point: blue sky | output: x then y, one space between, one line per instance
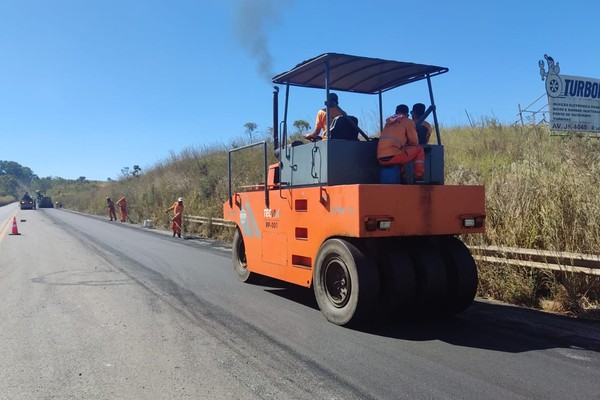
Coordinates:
88 87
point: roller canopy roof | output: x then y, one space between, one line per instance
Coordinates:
356 74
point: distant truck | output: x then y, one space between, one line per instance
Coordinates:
27 202
43 200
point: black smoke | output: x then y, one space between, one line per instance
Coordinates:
251 22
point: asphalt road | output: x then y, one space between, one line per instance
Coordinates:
92 309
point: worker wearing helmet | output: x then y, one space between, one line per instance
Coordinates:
321 124
177 219
399 143
122 203
111 209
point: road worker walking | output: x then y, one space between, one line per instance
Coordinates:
177 219
122 203
111 209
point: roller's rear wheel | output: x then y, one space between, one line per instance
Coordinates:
397 281
462 275
430 270
345 282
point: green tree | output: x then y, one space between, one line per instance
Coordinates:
250 129
19 172
136 170
301 126
44 183
9 186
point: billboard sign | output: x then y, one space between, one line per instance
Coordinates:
573 101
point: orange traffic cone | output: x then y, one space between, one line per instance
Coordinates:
14 231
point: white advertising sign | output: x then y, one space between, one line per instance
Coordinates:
573 101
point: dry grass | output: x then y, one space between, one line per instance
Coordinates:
4 200
199 175
541 193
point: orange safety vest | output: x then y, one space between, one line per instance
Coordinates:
398 132
321 123
177 210
122 202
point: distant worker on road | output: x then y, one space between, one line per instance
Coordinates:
399 143
111 209
122 203
321 123
424 128
177 219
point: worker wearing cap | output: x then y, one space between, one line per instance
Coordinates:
424 128
399 143
177 219
111 209
122 203
321 123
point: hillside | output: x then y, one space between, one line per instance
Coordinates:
15 180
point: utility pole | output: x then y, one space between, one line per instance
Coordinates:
521 117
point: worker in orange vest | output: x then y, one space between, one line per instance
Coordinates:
399 143
321 123
111 209
177 219
122 203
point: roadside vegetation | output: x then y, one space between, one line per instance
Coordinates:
541 191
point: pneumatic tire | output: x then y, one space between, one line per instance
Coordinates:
397 281
462 275
431 275
345 282
240 265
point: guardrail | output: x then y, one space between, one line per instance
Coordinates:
208 220
542 259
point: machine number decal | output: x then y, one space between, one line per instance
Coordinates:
271 224
269 213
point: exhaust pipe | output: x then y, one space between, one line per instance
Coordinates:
276 121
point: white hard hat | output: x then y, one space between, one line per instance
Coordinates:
180 199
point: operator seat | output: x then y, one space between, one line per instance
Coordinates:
422 134
344 127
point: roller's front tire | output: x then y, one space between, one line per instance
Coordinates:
240 265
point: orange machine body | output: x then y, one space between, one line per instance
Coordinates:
282 241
